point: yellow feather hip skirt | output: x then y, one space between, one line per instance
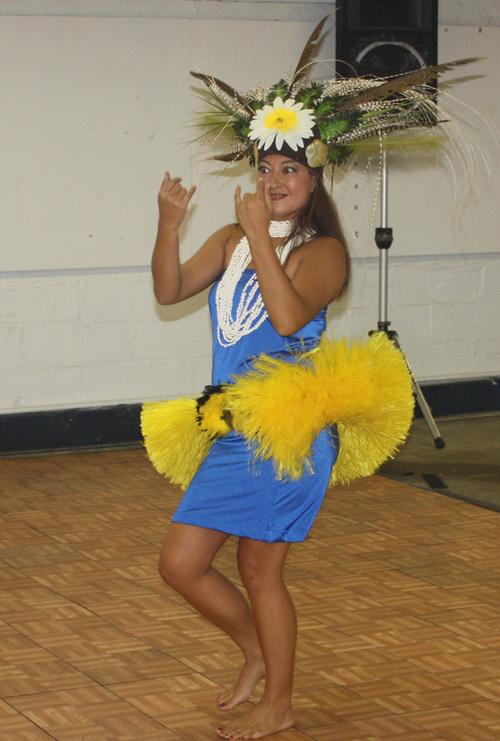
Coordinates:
281 406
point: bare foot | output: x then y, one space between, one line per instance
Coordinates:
262 721
250 675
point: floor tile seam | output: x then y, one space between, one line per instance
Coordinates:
434 731
61 596
464 536
465 611
481 702
191 668
420 615
98 684
437 625
302 732
29 719
434 708
424 672
134 707
66 688
390 569
45 535
418 671
355 722
385 710
21 573
320 624
483 645
461 634
384 646
56 658
153 591
110 570
336 626
423 579
80 509
426 640
68 662
367 560
146 645
471 666
379 528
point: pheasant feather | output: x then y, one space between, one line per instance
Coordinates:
406 81
308 53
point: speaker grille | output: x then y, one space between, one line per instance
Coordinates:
385 37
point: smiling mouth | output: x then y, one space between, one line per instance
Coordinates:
277 196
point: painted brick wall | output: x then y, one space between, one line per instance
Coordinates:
97 337
93 339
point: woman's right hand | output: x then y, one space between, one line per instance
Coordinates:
173 201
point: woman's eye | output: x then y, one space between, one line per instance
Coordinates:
288 170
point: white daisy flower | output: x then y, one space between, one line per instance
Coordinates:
283 121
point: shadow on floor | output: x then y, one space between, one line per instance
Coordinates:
468 467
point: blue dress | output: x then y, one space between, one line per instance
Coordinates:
235 492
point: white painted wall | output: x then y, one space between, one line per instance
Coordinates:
99 338
87 334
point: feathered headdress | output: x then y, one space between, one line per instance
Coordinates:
320 121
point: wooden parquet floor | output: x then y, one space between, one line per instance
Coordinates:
397 592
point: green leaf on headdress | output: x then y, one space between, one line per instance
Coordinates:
308 95
324 108
332 128
280 90
242 128
339 154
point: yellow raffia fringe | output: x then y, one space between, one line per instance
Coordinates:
175 443
364 388
281 405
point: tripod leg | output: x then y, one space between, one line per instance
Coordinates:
424 407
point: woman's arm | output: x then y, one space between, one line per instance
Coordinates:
318 268
174 282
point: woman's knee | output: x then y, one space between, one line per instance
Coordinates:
255 577
186 555
173 567
260 568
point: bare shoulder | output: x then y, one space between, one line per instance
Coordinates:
319 250
224 234
217 243
320 270
234 235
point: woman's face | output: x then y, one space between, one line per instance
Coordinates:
290 185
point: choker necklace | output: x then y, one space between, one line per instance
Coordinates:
280 228
250 312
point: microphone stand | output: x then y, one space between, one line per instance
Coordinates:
383 240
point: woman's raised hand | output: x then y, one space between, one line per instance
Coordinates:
173 200
254 210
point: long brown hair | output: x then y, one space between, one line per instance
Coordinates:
320 216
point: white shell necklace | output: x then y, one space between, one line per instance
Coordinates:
250 312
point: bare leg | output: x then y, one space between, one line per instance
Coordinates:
185 564
261 568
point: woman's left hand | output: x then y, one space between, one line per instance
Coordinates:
254 211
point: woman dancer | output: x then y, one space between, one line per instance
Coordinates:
273 273
298 263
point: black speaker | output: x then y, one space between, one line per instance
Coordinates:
385 37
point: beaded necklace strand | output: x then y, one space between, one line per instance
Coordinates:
250 312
